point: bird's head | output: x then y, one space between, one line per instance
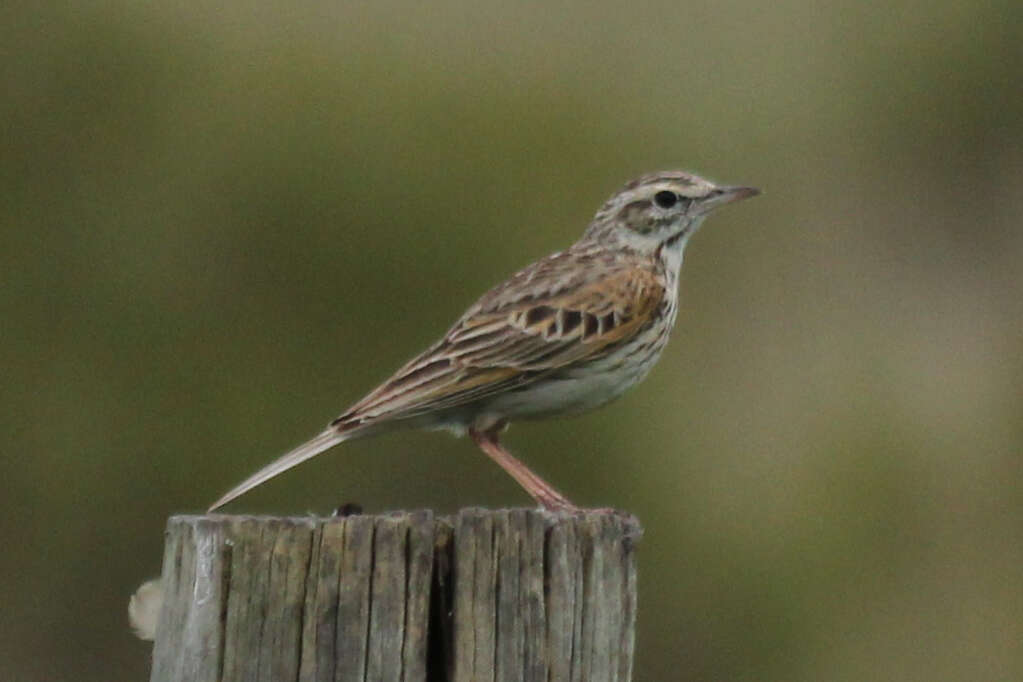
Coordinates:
660 209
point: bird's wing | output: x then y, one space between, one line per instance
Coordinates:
560 312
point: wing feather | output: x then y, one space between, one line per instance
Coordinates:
562 311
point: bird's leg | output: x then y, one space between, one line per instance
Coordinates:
541 491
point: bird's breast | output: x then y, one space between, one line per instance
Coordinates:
587 386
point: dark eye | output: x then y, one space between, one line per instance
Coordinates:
665 199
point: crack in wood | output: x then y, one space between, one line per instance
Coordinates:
484 596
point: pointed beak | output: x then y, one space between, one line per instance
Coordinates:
726 195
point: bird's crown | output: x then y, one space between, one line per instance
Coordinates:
660 206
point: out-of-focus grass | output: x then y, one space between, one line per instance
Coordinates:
222 224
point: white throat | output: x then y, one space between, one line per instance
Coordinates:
672 252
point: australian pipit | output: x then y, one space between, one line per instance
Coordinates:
566 334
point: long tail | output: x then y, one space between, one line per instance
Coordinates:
324 441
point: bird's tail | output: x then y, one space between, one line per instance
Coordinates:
323 441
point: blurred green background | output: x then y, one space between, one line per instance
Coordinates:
221 224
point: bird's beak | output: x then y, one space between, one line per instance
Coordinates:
726 195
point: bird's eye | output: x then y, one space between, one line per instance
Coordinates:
665 199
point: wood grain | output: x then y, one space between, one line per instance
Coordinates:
488 596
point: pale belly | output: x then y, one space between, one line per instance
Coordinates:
564 395
573 391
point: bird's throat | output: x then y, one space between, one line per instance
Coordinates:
670 253
677 240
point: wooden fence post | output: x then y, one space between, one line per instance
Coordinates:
483 596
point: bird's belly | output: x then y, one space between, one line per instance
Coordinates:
574 390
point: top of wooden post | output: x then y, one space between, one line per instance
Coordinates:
515 594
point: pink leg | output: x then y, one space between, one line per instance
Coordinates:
540 490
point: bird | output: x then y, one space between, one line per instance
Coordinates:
567 334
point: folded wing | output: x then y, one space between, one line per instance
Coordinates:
554 315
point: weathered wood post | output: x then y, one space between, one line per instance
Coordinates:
483 596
